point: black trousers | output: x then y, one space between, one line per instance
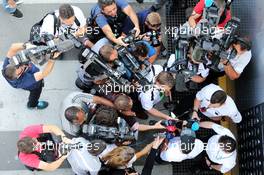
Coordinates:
35 94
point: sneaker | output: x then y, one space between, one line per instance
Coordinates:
17 14
19 2
42 105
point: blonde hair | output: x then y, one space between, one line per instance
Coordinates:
118 157
154 18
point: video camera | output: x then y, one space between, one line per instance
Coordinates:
94 66
41 54
64 148
111 134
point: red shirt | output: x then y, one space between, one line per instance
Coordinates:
30 160
199 10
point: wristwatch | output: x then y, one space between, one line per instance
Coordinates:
25 45
226 63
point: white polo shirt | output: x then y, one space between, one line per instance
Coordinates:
78 99
82 161
174 153
239 62
156 69
214 152
228 109
202 70
149 98
48 23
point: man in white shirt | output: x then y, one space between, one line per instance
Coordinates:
68 18
234 67
163 84
86 160
182 148
74 110
221 148
214 103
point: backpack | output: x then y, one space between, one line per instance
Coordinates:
35 37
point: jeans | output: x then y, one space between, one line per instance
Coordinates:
7 8
34 95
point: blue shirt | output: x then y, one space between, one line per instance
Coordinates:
101 19
152 50
27 80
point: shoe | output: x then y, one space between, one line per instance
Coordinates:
42 105
19 2
17 14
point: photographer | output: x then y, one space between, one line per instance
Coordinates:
110 17
197 15
214 103
27 77
194 64
221 150
163 84
85 81
234 67
77 109
33 149
68 19
144 51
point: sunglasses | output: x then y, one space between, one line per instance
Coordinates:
154 25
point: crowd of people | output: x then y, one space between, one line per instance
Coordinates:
100 126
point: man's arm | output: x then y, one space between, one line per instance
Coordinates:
51 166
230 72
196 106
197 79
133 16
16 47
110 35
206 125
216 167
142 127
192 19
102 101
144 151
159 114
53 129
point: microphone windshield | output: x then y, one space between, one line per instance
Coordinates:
65 46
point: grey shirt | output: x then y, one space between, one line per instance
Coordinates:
78 99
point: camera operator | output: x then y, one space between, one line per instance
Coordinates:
87 159
213 102
110 17
234 67
163 84
27 77
178 149
85 81
197 15
144 51
221 151
77 109
194 62
34 151
68 19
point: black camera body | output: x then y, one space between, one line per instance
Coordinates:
119 134
154 38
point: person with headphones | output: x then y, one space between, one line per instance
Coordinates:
233 68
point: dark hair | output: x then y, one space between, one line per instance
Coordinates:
218 97
106 116
166 78
25 145
71 113
228 144
97 147
244 43
122 102
104 3
141 50
66 11
10 72
106 51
